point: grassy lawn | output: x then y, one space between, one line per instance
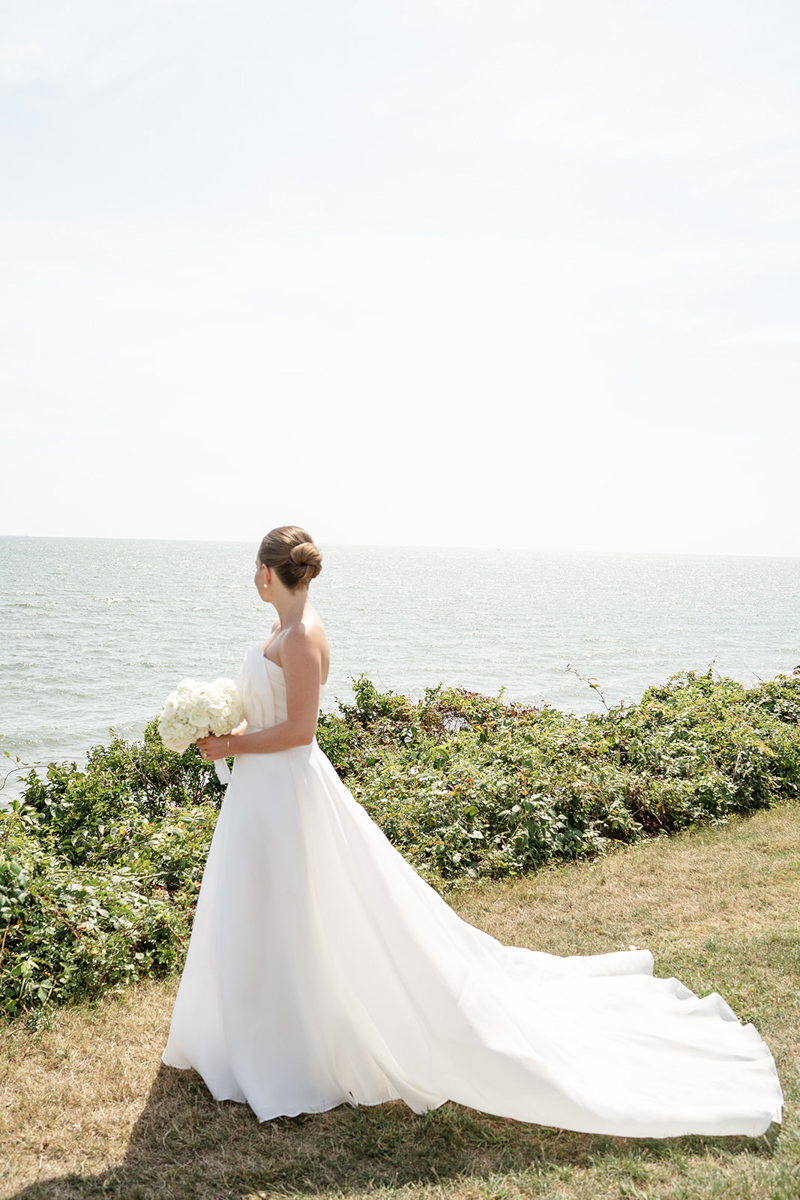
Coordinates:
86 1109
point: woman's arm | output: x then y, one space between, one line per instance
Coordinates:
301 659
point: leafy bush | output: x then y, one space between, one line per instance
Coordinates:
69 934
100 867
466 785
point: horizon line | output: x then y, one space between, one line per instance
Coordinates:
418 546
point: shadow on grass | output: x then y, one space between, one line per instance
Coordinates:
187 1145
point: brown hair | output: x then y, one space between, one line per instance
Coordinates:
293 555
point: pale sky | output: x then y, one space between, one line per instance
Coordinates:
421 272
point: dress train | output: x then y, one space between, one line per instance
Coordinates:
323 970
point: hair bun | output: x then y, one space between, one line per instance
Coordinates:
306 554
306 562
290 550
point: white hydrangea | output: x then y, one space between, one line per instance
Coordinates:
194 710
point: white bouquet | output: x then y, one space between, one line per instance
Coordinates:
194 710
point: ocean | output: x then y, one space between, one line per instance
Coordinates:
94 633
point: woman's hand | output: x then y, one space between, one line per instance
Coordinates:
212 748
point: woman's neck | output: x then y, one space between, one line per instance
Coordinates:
290 606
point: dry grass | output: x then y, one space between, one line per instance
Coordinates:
87 1110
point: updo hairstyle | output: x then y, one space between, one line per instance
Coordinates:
291 553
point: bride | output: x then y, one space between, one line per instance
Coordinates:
323 970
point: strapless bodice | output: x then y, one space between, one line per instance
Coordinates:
262 687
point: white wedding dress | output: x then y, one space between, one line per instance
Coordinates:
323 970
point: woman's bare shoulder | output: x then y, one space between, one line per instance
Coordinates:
306 641
307 633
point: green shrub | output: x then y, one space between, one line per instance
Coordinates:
466 785
100 867
70 933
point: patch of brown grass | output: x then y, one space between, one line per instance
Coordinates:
667 893
86 1109
70 1095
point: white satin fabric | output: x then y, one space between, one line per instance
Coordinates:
323 970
